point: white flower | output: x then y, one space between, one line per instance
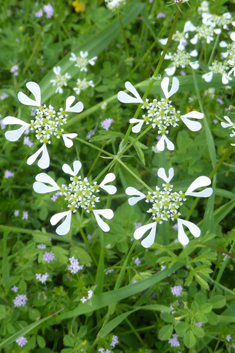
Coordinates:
89 296
82 61
80 193
165 204
220 21
204 7
181 59
206 32
114 4
180 37
230 125
218 68
60 80
83 85
46 124
160 114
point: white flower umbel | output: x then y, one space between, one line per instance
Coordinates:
60 80
82 61
230 125
160 114
218 67
220 21
47 123
165 204
205 32
82 85
180 37
79 193
114 4
181 59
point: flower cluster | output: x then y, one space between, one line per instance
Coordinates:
82 61
165 206
79 193
89 296
21 341
20 300
47 123
74 265
60 80
42 278
160 114
114 4
230 125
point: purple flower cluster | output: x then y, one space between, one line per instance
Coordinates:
48 9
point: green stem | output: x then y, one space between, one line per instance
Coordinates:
213 50
88 246
100 331
96 160
218 165
126 45
133 330
32 55
93 146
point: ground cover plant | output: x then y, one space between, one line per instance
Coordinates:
117 176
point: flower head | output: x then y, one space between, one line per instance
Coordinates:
82 85
42 278
82 61
48 256
218 68
47 124
176 290
114 4
165 204
228 338
229 124
181 59
106 123
79 7
160 114
48 9
8 174
39 13
14 289
41 246
174 341
60 80
79 193
4 96
20 300
74 265
114 341
21 341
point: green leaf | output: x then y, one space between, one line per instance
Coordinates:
206 308
198 331
181 328
202 317
200 298
213 319
2 311
165 332
69 341
41 342
25 330
218 301
226 319
5 264
202 282
189 339
106 135
167 318
34 314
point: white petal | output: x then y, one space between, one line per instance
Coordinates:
223 44
194 39
226 79
208 76
65 226
44 161
77 108
182 237
170 70
194 53
163 41
189 27
149 240
194 65
67 139
41 188
217 31
232 36
201 181
77 165
174 87
14 135
182 44
108 214
137 127
11 120
130 191
162 174
167 56
224 125
192 125
34 88
164 140
232 71
110 189
126 98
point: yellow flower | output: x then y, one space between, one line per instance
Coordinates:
78 6
190 109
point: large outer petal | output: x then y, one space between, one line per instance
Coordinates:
164 140
182 237
149 240
162 174
34 88
192 125
123 97
77 165
110 189
41 188
130 191
108 214
201 181
44 161
77 108
68 139
14 135
65 226
174 87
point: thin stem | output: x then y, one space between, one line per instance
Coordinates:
93 146
32 55
100 331
88 246
126 45
133 330
213 50
96 160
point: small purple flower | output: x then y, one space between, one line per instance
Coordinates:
137 261
90 134
173 341
27 141
228 338
41 246
16 73
33 112
55 196
199 324
137 225
215 121
163 267
14 68
25 215
16 213
17 40
220 101
4 96
14 289
42 278
176 290
109 271
48 9
74 265
2 125
118 45
8 174
161 15
89 237
20 300
175 227
106 123
48 256
21 341
114 341
39 13
182 73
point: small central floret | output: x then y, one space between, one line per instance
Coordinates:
181 58
218 67
80 193
161 114
205 31
165 203
48 123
